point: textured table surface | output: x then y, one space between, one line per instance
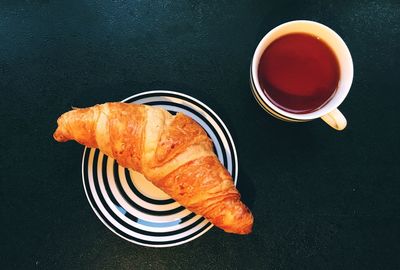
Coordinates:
321 199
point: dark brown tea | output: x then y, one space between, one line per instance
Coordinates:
299 73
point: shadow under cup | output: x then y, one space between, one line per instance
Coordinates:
334 42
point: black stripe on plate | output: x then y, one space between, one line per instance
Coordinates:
142 196
188 217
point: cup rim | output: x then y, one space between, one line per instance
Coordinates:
325 109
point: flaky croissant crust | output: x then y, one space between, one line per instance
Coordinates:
173 152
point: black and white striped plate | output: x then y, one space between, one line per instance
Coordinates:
131 206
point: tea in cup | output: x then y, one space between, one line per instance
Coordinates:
302 70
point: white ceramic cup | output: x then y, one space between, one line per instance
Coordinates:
328 112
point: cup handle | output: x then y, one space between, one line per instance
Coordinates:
335 119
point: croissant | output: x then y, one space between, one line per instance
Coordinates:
173 152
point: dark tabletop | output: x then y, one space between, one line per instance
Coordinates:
322 199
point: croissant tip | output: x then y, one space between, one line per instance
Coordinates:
240 228
59 136
241 231
247 230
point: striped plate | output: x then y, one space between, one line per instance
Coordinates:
131 206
